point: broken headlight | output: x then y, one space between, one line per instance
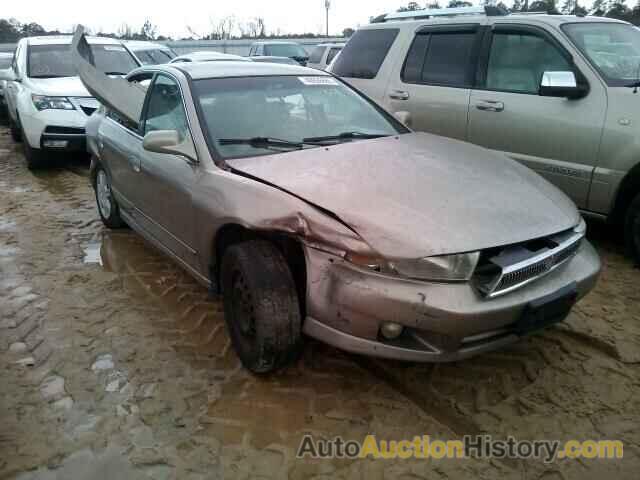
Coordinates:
442 268
43 102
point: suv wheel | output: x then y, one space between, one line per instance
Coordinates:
107 206
261 307
632 228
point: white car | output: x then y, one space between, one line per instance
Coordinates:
208 57
47 103
5 64
322 55
150 53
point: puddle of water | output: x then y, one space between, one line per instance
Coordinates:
7 225
92 253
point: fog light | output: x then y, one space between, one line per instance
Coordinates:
55 143
391 330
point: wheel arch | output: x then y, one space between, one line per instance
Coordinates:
629 188
290 247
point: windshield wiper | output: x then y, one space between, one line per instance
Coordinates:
261 142
343 136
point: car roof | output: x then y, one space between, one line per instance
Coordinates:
66 39
144 45
201 70
209 55
490 19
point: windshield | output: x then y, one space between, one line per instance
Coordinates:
155 56
285 108
49 61
613 48
285 50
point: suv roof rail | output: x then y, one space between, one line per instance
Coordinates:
490 11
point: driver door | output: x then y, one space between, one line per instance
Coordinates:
165 183
557 137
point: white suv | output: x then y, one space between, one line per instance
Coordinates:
47 103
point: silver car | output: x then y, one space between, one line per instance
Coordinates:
314 211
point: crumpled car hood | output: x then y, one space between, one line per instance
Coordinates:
418 194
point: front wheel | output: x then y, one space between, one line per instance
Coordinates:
35 157
261 306
632 228
107 206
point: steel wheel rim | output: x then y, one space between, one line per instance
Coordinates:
104 194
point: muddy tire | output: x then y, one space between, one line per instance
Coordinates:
108 208
261 306
35 157
632 228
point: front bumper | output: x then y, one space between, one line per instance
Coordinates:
43 129
346 306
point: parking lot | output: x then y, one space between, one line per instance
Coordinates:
116 364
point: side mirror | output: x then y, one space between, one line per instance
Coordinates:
404 118
8 75
561 84
168 141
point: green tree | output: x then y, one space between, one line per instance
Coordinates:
459 4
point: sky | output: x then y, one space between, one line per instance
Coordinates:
173 16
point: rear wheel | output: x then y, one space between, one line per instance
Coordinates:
632 228
261 306
107 206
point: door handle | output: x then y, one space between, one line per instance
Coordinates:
490 106
135 164
399 95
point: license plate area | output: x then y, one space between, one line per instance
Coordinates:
547 310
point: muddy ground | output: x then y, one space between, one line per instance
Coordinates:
115 364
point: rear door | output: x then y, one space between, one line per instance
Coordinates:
120 145
557 137
434 82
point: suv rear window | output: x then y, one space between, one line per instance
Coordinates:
440 59
365 52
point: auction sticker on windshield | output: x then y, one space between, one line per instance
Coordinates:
318 80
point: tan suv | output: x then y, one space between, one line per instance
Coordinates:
557 93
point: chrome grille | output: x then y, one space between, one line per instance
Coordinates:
535 270
515 266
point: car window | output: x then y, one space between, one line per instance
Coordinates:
285 50
332 54
165 110
363 55
50 61
316 54
613 48
440 59
518 60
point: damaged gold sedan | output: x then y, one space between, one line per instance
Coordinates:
312 210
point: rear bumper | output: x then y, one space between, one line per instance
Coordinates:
443 322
